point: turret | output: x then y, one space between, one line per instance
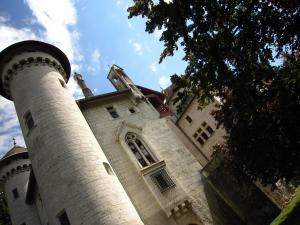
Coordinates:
14 173
121 81
70 167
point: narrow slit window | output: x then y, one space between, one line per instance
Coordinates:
108 168
63 218
29 122
112 111
15 193
63 84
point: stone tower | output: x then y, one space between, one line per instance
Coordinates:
71 170
14 174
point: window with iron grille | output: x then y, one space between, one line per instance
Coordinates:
162 180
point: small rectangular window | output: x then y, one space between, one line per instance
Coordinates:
131 110
200 141
209 129
204 135
162 180
63 218
112 111
29 122
15 193
189 119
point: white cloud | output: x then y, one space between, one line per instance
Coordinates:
10 35
95 65
58 19
96 56
137 47
164 81
153 67
129 25
119 2
9 126
3 19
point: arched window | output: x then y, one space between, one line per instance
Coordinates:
140 150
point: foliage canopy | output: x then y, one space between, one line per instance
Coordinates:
247 53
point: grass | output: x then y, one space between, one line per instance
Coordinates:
290 215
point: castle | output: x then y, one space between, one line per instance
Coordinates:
121 158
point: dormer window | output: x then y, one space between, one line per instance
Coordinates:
29 122
112 111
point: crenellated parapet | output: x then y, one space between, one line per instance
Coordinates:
29 62
17 169
13 163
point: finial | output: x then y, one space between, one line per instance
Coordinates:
14 140
77 76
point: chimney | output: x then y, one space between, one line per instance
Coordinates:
85 90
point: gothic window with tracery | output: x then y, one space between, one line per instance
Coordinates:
140 150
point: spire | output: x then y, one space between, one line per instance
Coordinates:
80 81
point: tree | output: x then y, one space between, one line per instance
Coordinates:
247 53
4 214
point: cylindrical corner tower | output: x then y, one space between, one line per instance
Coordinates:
14 174
67 160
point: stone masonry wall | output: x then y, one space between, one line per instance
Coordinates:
66 158
182 167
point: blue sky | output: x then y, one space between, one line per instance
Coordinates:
94 35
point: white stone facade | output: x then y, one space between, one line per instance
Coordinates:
83 165
154 207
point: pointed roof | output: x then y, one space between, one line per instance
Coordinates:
13 152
